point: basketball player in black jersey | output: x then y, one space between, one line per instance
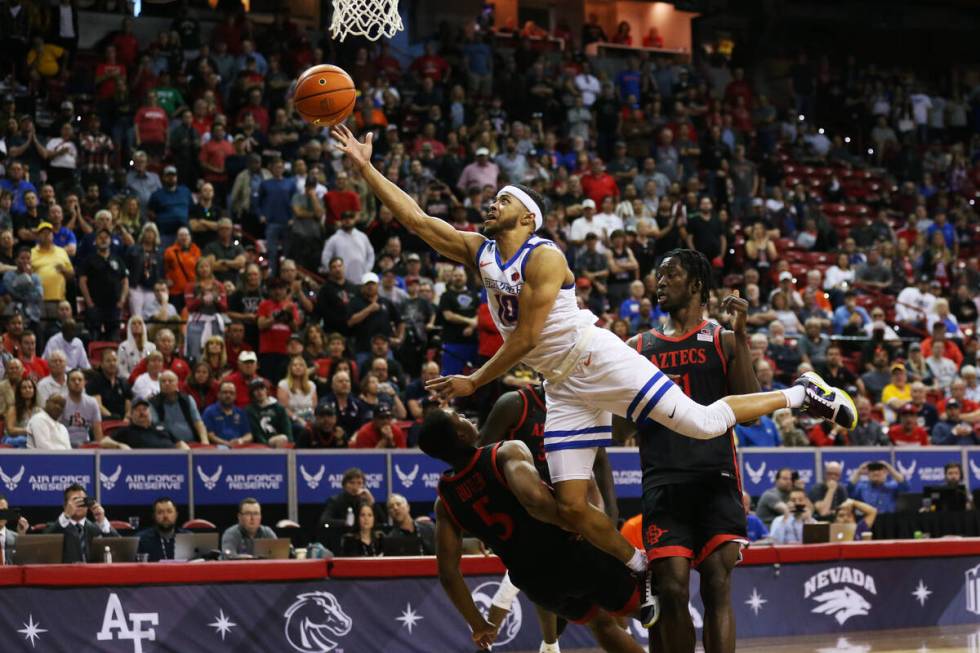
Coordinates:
495 493
520 415
692 495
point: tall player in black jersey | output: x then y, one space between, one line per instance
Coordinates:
692 495
520 415
495 493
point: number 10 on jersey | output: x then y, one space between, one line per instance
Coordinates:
507 308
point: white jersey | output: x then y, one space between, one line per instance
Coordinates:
504 280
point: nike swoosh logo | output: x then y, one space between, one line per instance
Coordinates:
672 411
483 265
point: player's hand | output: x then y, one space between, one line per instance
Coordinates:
448 387
359 153
738 309
484 634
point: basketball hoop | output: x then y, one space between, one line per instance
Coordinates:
371 19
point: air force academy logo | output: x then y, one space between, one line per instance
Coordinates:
312 480
841 602
314 621
407 478
109 480
11 482
210 482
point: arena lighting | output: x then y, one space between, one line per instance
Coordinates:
820 131
801 117
871 151
847 139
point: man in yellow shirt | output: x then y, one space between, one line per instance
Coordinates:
44 58
53 266
897 393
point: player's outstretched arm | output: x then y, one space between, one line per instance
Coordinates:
544 275
517 466
449 551
503 416
460 246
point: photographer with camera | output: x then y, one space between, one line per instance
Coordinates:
788 527
79 531
8 537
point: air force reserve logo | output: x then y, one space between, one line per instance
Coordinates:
109 480
314 621
210 482
972 590
312 480
755 474
842 602
509 629
975 468
407 478
11 482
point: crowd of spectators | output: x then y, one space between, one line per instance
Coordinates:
164 210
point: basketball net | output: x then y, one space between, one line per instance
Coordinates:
371 19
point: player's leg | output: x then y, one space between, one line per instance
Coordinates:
591 523
501 605
716 594
674 631
549 630
670 545
610 636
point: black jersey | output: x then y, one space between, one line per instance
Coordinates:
696 362
530 428
479 501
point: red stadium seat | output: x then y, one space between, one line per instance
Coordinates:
199 525
110 426
95 349
200 445
120 525
832 209
89 445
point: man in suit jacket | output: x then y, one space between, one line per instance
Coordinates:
80 531
8 537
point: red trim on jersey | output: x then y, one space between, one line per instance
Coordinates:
520 422
713 545
469 466
738 472
721 350
496 470
639 343
631 606
449 511
684 336
587 617
537 399
670 552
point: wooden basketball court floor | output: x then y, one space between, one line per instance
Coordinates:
946 639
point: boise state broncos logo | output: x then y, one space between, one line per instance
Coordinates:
314 620
511 626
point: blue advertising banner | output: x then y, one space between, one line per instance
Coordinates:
626 473
922 467
972 471
40 479
759 467
227 478
415 475
136 478
851 459
318 475
414 614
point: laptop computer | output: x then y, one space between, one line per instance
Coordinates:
400 545
842 532
271 549
123 548
945 498
38 549
191 546
818 533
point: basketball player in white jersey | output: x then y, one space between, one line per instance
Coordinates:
590 373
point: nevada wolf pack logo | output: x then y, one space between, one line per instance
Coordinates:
11 482
109 480
312 480
314 621
210 482
407 478
844 601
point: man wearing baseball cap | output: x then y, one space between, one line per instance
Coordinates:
908 432
142 433
227 255
480 173
53 265
246 373
369 315
277 318
170 207
380 433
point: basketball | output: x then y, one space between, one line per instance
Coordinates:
324 95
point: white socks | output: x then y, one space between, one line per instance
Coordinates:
549 648
794 396
638 563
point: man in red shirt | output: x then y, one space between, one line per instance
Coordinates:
380 433
212 157
152 124
908 432
106 74
278 317
341 199
34 366
167 345
598 184
257 111
243 376
430 65
127 47
950 349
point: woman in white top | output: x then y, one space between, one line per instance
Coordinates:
940 313
296 393
61 154
135 348
839 277
147 384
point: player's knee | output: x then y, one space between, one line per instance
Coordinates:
716 586
672 589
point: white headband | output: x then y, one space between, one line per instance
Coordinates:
526 200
